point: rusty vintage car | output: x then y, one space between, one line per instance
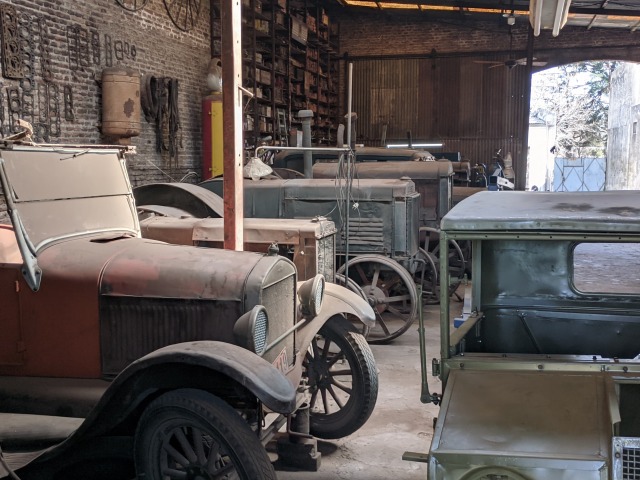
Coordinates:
184 360
541 377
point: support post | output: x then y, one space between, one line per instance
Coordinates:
231 15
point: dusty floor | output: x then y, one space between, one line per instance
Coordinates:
399 422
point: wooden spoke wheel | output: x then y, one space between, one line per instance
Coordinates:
132 5
183 13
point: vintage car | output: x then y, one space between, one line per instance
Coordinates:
541 377
309 244
378 234
186 359
294 159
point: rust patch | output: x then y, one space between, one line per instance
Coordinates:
574 207
622 211
128 107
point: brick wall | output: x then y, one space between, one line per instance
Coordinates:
146 41
397 35
376 34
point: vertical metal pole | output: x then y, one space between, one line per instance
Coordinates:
233 197
349 102
306 116
520 161
444 299
349 160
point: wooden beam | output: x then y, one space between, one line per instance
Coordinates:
233 197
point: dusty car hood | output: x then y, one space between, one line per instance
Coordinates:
148 268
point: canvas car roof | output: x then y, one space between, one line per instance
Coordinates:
567 212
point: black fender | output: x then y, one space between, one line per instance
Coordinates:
217 367
189 365
193 199
203 364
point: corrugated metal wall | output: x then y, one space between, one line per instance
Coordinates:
474 108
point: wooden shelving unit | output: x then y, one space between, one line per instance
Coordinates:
289 63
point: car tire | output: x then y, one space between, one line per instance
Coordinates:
192 434
339 363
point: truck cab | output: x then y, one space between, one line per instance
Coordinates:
540 371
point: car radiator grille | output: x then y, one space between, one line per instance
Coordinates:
133 327
278 299
626 458
326 255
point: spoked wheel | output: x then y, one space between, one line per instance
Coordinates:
183 13
426 275
193 435
343 380
457 262
391 292
132 5
355 288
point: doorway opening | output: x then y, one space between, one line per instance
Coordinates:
581 127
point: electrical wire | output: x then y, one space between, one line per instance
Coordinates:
3 462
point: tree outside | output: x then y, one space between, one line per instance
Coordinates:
571 104
577 95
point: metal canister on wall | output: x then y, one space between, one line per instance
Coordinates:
120 103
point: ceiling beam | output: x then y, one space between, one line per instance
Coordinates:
518 5
605 11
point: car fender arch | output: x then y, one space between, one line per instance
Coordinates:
203 364
337 302
346 301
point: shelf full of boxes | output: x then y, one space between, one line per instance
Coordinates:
289 63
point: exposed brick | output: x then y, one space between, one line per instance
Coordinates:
161 50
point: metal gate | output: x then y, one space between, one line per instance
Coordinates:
579 175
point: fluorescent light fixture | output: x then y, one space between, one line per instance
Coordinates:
548 15
415 145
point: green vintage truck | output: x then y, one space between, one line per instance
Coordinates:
541 372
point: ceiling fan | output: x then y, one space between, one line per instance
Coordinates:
512 62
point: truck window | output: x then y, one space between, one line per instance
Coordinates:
609 268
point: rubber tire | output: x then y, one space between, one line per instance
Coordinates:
364 394
212 415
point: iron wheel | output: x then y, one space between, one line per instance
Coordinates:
391 292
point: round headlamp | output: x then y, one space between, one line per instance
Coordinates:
252 328
311 295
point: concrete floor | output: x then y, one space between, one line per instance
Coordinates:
399 421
